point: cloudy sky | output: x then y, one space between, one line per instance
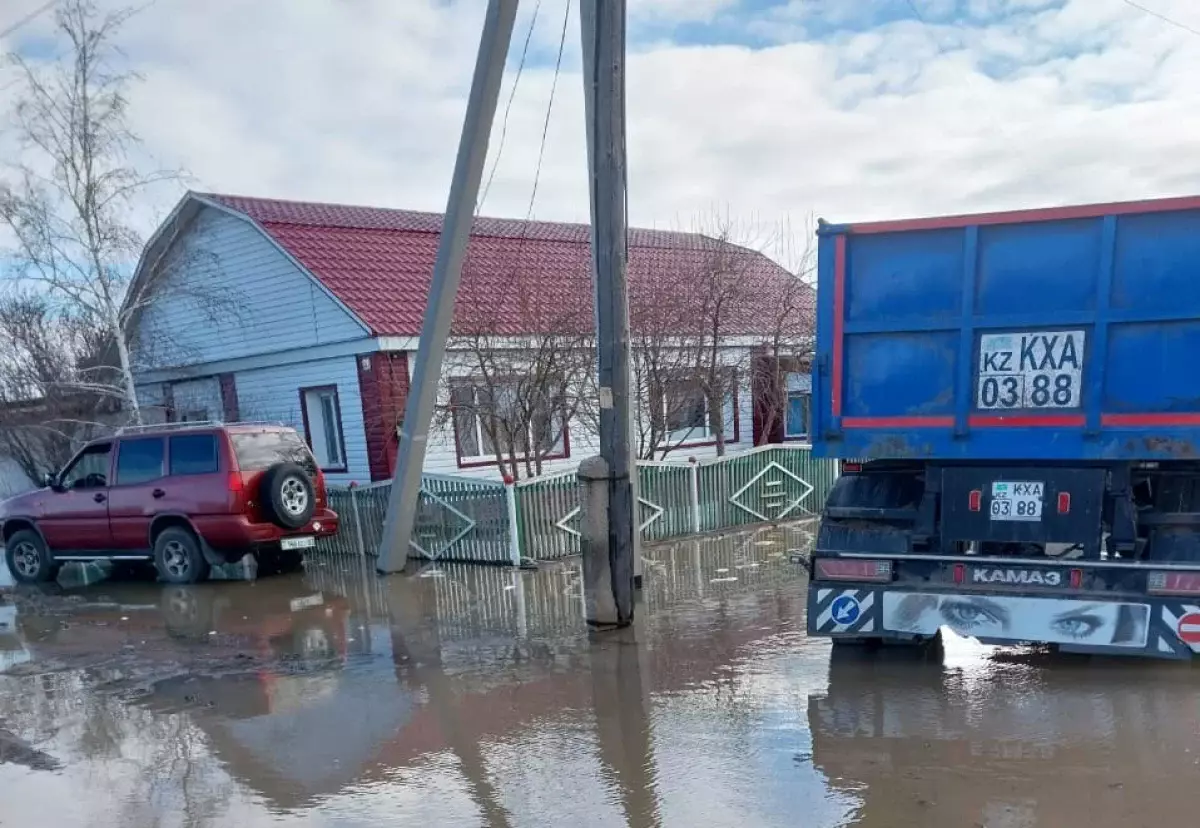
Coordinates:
846 109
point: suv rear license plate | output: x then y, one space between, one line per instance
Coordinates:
298 543
1013 500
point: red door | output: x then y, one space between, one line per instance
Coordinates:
76 516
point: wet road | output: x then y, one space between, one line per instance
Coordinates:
472 696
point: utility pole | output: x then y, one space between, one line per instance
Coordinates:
603 29
443 287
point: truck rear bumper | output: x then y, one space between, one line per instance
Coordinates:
1145 626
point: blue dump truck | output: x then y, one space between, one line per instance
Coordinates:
1015 400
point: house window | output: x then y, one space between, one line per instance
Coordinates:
493 416
685 412
799 398
686 415
323 426
797 415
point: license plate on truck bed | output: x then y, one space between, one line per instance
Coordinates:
1017 500
306 542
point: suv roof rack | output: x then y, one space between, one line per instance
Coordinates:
189 426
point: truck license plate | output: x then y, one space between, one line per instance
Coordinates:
297 543
1012 500
1030 370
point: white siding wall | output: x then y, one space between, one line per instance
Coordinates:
264 303
441 456
273 395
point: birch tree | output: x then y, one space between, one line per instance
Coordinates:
70 202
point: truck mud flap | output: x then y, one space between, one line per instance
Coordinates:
1162 628
843 611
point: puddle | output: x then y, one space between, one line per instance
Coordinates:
476 696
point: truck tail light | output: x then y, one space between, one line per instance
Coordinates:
850 466
1064 502
236 485
841 569
1076 578
1173 583
975 500
960 573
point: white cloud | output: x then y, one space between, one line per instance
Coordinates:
1024 103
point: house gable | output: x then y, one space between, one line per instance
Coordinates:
230 292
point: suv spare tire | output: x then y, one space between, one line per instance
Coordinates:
287 495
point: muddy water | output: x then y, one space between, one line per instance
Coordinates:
474 697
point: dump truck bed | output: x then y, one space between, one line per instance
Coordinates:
1062 334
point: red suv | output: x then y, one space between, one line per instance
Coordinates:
186 497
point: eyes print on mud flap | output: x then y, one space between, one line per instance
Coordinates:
1019 619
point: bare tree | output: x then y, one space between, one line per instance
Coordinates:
787 346
69 201
697 329
44 417
521 367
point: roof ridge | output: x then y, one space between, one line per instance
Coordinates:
231 200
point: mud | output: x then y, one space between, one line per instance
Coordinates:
474 696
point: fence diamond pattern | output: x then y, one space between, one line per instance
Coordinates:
467 519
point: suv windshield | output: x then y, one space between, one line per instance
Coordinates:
258 450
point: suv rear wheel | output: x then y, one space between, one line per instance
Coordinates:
288 495
178 557
28 559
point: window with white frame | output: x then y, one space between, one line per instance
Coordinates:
490 416
799 399
323 426
686 415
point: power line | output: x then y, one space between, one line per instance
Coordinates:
29 18
916 12
508 107
1161 17
537 174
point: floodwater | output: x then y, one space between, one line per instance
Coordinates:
473 696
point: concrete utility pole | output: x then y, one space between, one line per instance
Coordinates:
443 288
603 30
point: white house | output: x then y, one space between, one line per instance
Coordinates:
310 314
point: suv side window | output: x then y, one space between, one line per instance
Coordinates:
194 454
90 469
139 461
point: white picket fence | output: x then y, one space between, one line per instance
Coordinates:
468 519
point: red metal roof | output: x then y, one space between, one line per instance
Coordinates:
518 276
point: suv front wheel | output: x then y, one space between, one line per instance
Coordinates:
178 557
28 559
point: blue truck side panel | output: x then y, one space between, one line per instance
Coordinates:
1067 338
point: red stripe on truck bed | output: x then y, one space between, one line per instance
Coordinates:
839 310
1177 419
1026 420
1162 205
898 422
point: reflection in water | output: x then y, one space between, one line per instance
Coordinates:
474 696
